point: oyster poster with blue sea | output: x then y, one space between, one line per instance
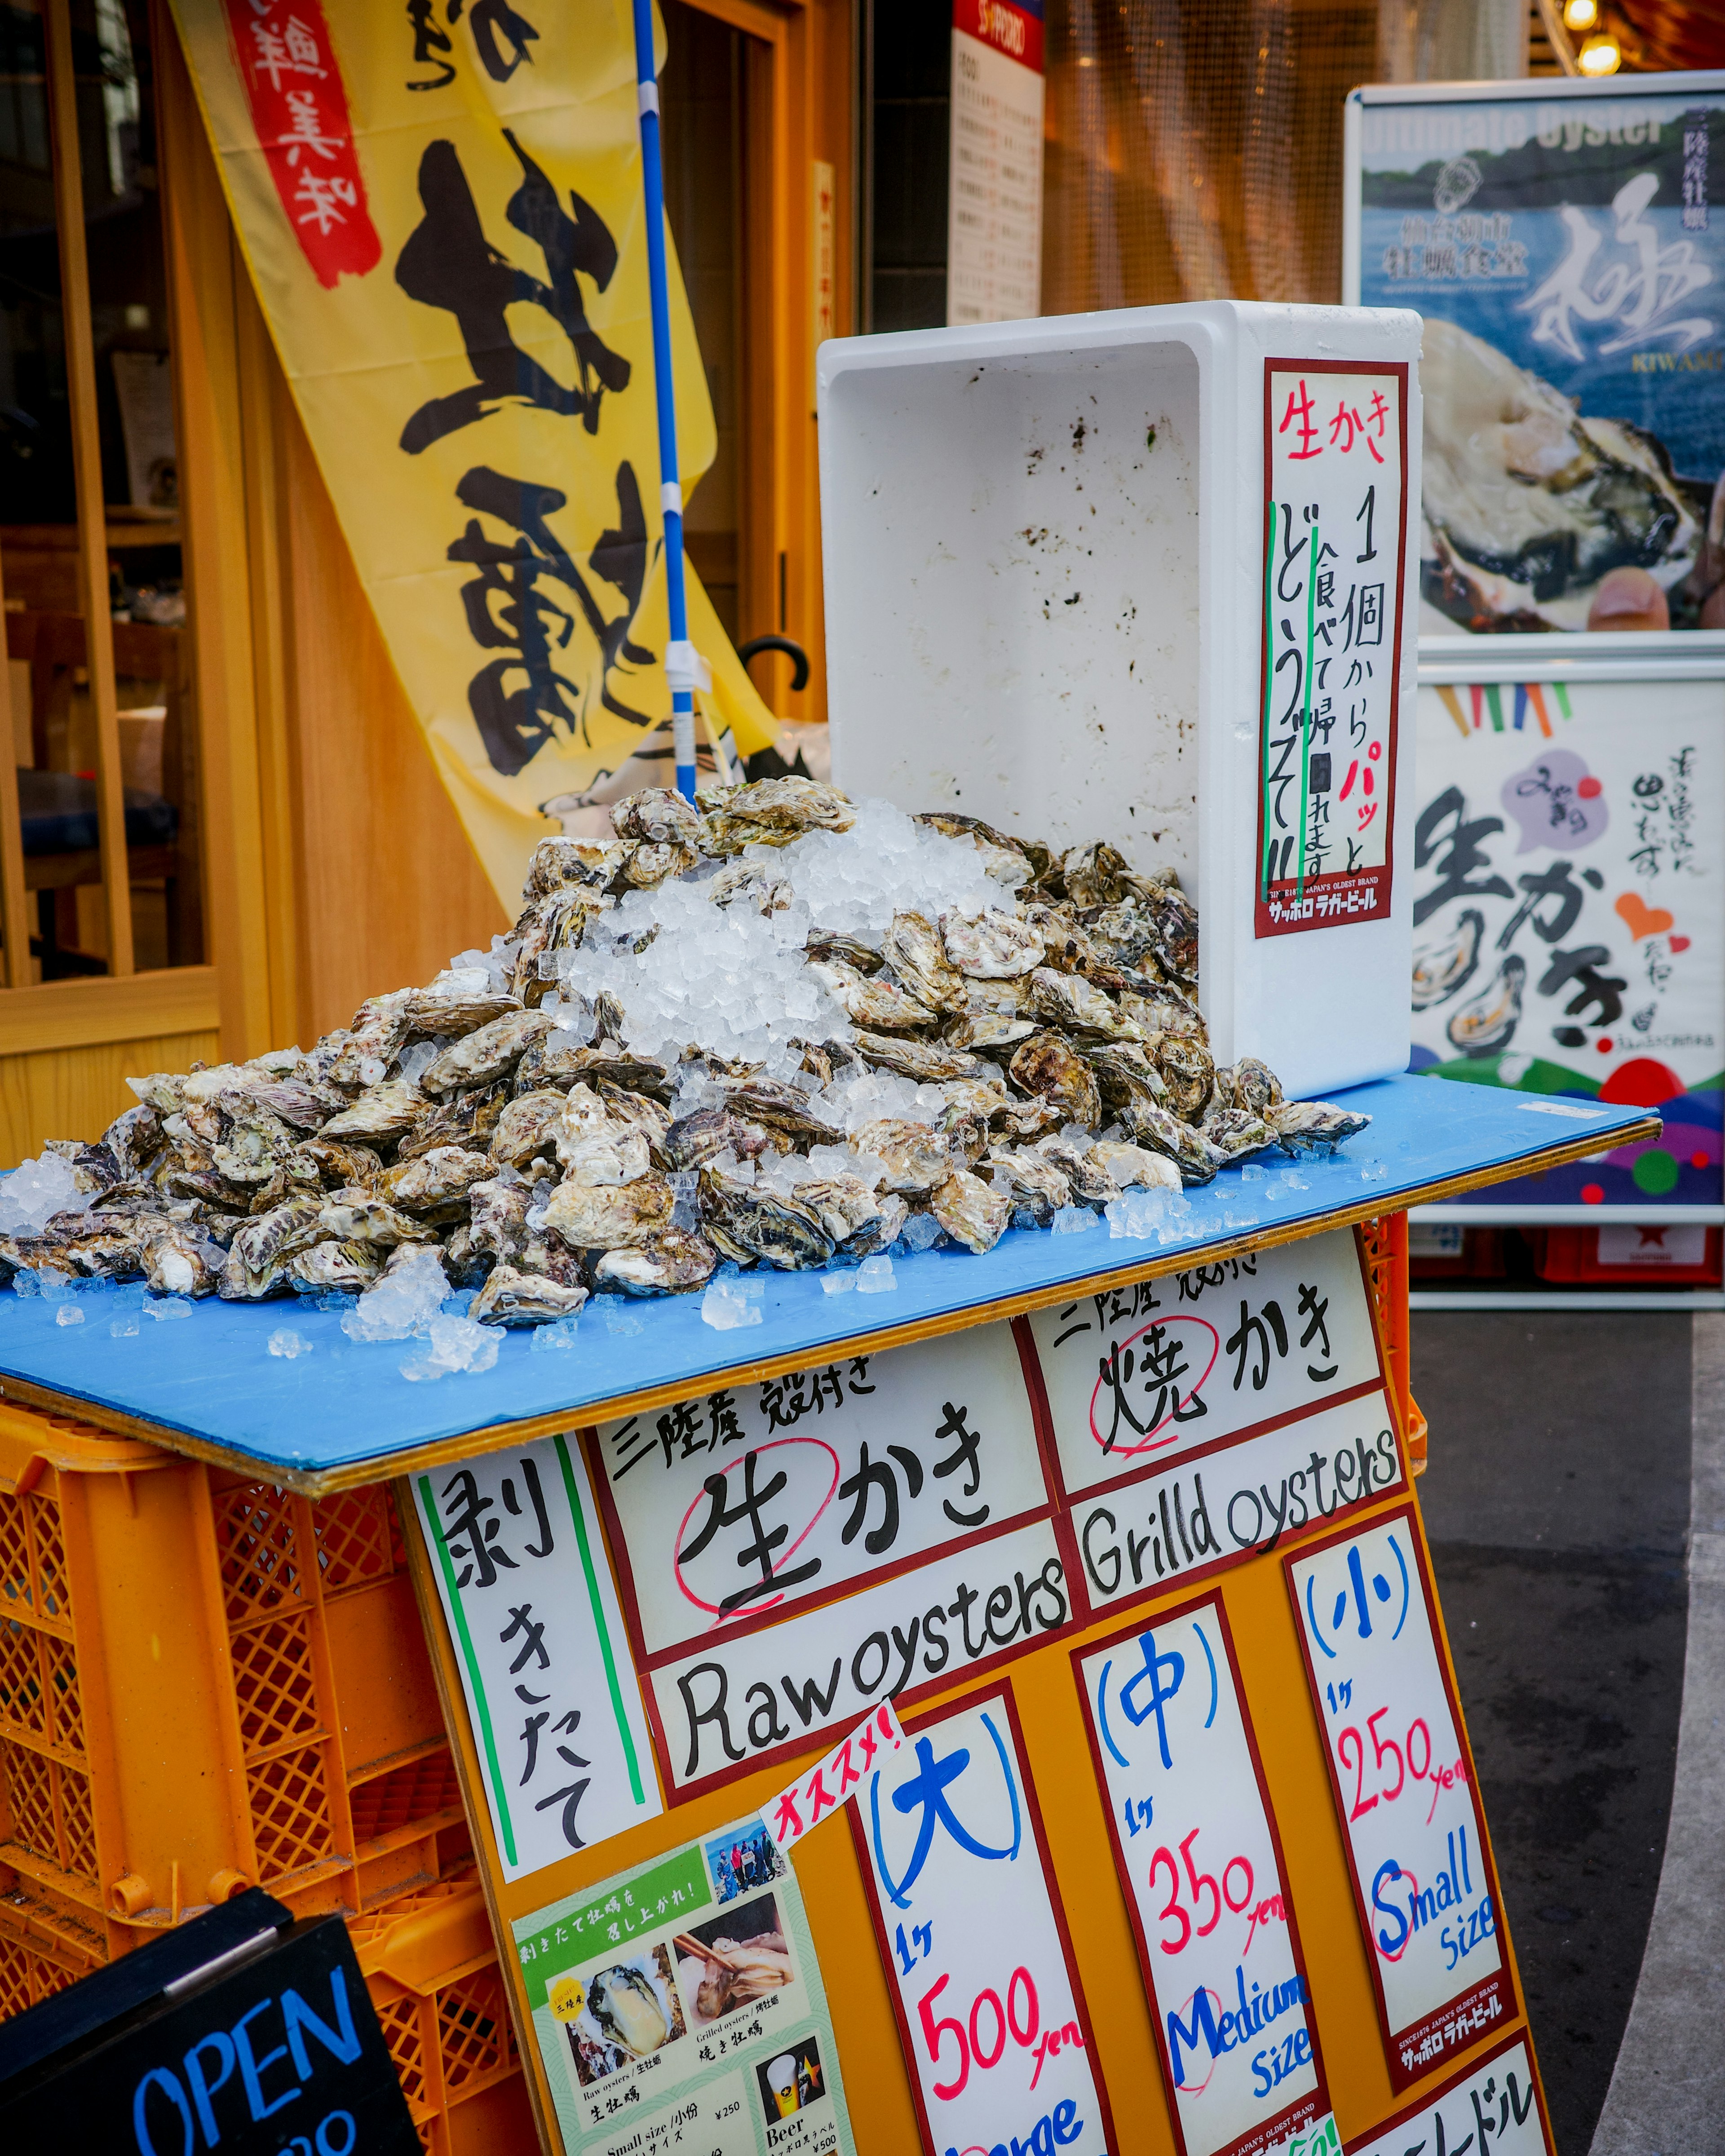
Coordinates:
679 2005
1568 252
1568 907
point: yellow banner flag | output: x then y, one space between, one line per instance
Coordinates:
441 206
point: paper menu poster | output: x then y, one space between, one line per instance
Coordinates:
679 2005
972 1938
514 1545
1199 1859
1412 1826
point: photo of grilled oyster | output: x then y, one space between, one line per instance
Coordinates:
1444 969
1527 503
1486 1024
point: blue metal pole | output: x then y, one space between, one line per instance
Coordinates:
680 665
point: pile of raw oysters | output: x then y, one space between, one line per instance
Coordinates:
942 1074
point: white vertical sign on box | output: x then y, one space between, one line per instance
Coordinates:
1424 1882
971 1933
1201 1863
994 186
515 1547
1495 2107
1335 479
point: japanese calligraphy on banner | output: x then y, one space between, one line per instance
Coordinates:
1569 915
1335 477
555 1709
1200 1864
1497 2108
1198 1419
681 2005
442 212
1411 1821
973 1939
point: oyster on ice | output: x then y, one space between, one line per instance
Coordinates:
510 1297
674 1263
1313 1127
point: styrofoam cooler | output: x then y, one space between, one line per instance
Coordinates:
1052 603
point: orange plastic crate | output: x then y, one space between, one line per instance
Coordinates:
1386 1247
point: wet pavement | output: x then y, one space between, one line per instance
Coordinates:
1557 1504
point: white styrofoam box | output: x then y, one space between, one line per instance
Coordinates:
1045 552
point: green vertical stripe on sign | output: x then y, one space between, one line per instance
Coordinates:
476 1685
1562 700
599 1625
1494 701
1269 693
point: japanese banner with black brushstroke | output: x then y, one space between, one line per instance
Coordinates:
441 210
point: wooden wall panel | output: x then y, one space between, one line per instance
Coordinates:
77 1092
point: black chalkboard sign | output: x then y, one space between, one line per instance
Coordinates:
242 2032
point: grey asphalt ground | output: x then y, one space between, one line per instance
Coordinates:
1557 1503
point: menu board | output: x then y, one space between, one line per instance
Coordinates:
1198 1419
971 1934
679 2005
1335 540
1403 1783
1499 2101
1200 1864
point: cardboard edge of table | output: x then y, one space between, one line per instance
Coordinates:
408 1459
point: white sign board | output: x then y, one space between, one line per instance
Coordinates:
974 1938
994 183
514 1545
1200 1865
1498 2101
1569 914
1335 464
1411 1820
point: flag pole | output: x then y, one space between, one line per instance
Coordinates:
681 665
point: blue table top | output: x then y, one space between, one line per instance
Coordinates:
343 1412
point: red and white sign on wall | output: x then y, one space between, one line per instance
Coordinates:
1335 547
994 192
1424 1882
973 1936
299 106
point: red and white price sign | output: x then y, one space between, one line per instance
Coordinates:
1496 2106
1423 1878
971 1929
1197 1851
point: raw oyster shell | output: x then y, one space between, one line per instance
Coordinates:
1486 1024
993 946
1002 859
256 1144
134 1138
556 922
872 1001
647 1116
674 1263
610 1216
1189 1071
658 815
1070 1002
841 950
1091 875
748 1220
1189 1151
787 1108
467 1119
773 812
509 1297
432 1012
844 1204
1067 943
259 1254
1313 1127
914 1158
382 1112
970 1211
925 1061
1050 1066
651 865
912 947
1091 1180
335 1267
1251 1085
497 1220
485 1053
1444 969
528 1126
1125 935
374 1039
1235 1133
435 1181
694 1140
348 1217
1127 1167
747 883
578 863
176 1262
615 1154
608 1059
1031 1180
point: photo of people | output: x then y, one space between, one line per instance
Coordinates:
791 2081
740 1862
625 2011
730 1961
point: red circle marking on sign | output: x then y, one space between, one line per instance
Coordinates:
1198 2088
1149 1442
753 1608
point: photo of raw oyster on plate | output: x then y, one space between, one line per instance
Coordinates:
1527 503
772 1027
619 2013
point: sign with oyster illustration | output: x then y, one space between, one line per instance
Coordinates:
1335 480
1566 246
680 2005
1569 915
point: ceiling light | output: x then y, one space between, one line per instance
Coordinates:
1581 14
1599 56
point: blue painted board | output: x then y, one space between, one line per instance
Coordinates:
211 1377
